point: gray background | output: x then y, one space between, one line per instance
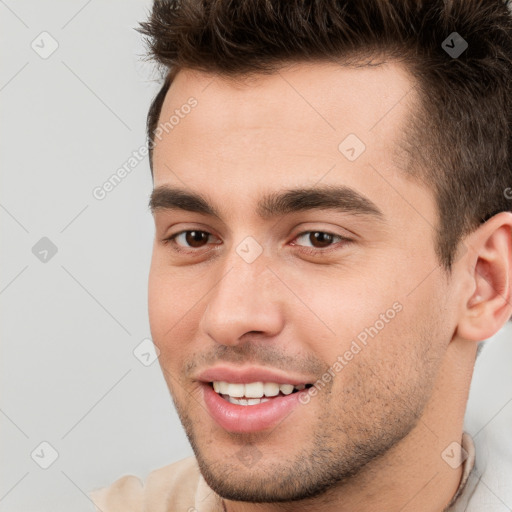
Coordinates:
72 320
70 325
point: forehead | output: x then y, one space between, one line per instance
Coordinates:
290 128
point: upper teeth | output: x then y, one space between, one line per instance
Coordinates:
254 389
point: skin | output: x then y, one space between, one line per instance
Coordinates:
372 439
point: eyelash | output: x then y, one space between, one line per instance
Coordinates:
312 251
178 248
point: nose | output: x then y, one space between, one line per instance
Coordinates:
244 300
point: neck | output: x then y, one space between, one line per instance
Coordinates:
413 475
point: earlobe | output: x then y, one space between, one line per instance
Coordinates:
490 304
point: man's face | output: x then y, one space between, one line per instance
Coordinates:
342 290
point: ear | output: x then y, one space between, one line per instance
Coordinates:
489 262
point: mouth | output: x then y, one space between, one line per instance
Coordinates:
254 393
251 407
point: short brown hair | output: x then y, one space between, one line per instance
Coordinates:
458 141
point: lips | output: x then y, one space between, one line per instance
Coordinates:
251 374
250 399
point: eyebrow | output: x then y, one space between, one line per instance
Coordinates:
328 197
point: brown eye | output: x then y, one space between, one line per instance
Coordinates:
192 239
320 239
196 238
320 243
317 239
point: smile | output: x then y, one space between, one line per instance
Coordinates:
254 393
252 406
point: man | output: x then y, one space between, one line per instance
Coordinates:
333 239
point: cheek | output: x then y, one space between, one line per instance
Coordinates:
170 308
171 293
341 311
377 333
161 305
389 376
